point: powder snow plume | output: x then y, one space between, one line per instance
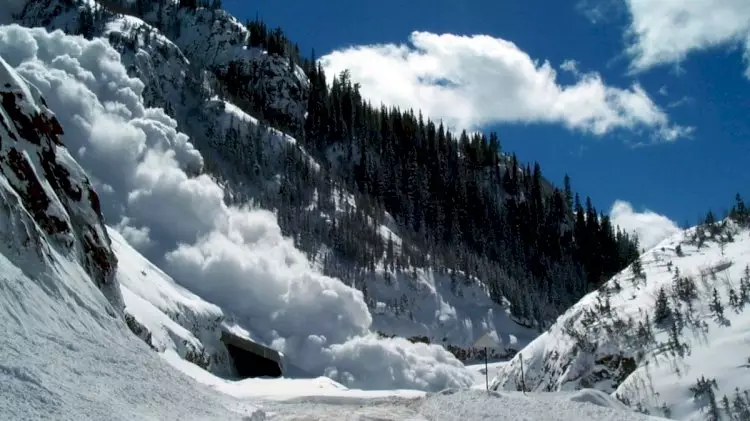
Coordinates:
234 257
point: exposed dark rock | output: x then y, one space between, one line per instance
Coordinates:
29 142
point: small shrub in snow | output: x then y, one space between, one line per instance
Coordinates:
703 391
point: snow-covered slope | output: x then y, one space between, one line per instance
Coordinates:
178 75
66 351
454 311
233 257
650 348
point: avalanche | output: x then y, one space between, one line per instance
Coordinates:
68 354
452 311
234 257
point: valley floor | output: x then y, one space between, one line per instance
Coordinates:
324 399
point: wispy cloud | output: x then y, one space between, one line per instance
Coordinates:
680 102
665 32
600 11
492 81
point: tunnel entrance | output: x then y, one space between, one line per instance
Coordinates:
252 359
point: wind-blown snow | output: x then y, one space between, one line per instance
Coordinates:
236 258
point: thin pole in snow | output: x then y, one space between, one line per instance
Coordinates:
486 371
523 384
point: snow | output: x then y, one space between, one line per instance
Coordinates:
452 310
233 257
68 355
174 76
660 377
322 398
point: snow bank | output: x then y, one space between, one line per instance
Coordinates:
479 405
236 258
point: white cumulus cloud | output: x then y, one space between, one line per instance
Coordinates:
650 227
472 81
665 32
234 257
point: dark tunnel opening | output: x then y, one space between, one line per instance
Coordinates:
251 359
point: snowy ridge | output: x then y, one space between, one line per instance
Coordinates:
651 348
167 316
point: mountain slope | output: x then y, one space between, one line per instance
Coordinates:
66 350
234 257
650 335
457 204
185 84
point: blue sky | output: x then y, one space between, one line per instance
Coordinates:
689 70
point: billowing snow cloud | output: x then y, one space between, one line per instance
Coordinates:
667 31
236 258
650 227
473 81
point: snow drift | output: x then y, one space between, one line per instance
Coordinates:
235 257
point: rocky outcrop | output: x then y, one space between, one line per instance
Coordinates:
51 187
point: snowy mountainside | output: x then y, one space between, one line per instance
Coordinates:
233 256
68 355
67 352
167 316
48 184
179 77
453 311
667 336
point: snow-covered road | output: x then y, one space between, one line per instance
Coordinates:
452 405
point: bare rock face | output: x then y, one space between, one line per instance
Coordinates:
50 188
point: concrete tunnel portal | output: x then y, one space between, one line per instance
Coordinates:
252 359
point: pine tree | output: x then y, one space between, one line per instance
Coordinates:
727 407
740 406
734 301
745 287
716 307
662 311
